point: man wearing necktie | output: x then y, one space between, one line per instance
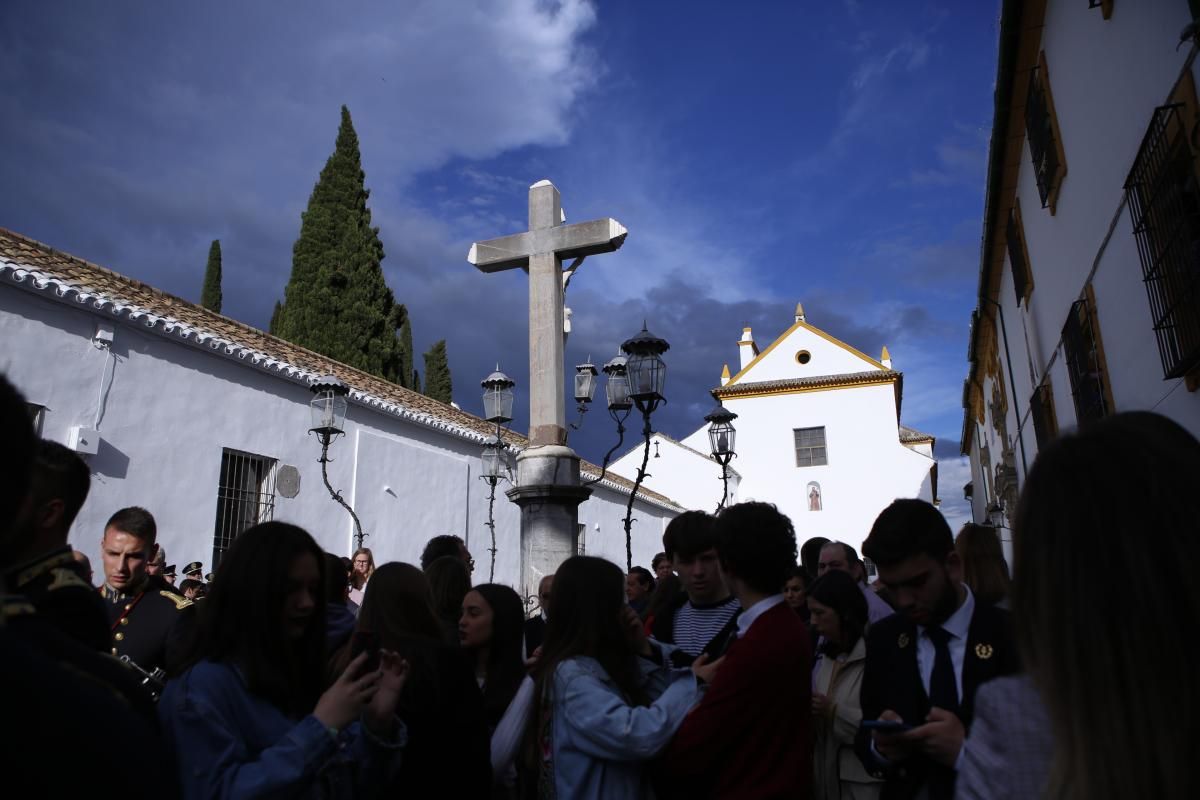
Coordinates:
925 662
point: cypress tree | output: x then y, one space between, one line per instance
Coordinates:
407 372
210 295
337 301
416 382
437 373
273 328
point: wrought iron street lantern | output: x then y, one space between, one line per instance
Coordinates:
585 382
494 467
647 371
328 409
497 397
616 387
721 439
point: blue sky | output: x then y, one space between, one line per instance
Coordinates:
760 154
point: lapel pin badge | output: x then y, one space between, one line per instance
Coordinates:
983 651
902 642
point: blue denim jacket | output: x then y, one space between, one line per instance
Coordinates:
230 743
599 741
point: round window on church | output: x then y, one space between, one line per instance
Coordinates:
803 357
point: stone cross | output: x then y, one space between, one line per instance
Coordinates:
541 250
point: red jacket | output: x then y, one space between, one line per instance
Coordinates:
751 735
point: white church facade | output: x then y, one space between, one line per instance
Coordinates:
818 435
204 421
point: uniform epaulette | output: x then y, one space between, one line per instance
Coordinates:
180 602
65 578
15 605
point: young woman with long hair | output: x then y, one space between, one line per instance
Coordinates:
251 716
448 751
839 615
606 700
363 566
491 631
1114 663
449 580
984 568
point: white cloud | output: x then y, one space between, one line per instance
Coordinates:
953 474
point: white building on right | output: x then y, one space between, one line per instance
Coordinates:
1089 284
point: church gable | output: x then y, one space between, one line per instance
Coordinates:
802 351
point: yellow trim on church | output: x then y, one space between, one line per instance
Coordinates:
780 390
811 329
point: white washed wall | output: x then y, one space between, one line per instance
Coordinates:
173 406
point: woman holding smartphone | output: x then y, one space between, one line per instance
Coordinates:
839 616
251 716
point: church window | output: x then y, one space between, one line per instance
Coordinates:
803 357
813 492
1085 361
1045 139
810 447
1164 202
1018 256
245 497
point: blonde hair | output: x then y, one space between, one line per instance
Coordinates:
984 568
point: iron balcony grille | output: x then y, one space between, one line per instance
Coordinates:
1164 203
245 497
1016 256
810 447
1039 129
1041 409
1083 364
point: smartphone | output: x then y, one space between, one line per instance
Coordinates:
365 642
886 725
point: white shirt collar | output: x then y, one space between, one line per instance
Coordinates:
959 622
755 611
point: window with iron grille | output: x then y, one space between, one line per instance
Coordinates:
245 497
1085 364
1018 256
1045 143
810 447
1041 409
1164 204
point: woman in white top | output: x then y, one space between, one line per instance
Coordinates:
363 566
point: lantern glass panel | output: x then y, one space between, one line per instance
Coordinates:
647 376
491 462
617 389
328 410
585 386
721 437
497 404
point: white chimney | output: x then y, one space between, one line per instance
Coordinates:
747 349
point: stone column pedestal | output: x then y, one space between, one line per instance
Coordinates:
549 494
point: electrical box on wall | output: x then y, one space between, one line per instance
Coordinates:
84 441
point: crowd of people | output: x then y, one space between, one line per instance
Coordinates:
738 665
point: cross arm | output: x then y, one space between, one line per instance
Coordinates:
566 241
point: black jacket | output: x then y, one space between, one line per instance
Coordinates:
892 680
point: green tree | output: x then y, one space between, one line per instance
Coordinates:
210 295
407 373
416 382
437 373
337 301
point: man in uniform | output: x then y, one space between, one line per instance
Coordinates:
195 571
45 570
152 626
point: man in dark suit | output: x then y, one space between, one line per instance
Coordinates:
925 662
750 737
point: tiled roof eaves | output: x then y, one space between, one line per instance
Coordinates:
913 436
866 378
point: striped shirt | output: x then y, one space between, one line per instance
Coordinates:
695 626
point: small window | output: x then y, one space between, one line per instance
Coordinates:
1164 201
810 447
36 413
1085 361
1018 256
803 357
1045 140
245 497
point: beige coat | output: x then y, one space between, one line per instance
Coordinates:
837 772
